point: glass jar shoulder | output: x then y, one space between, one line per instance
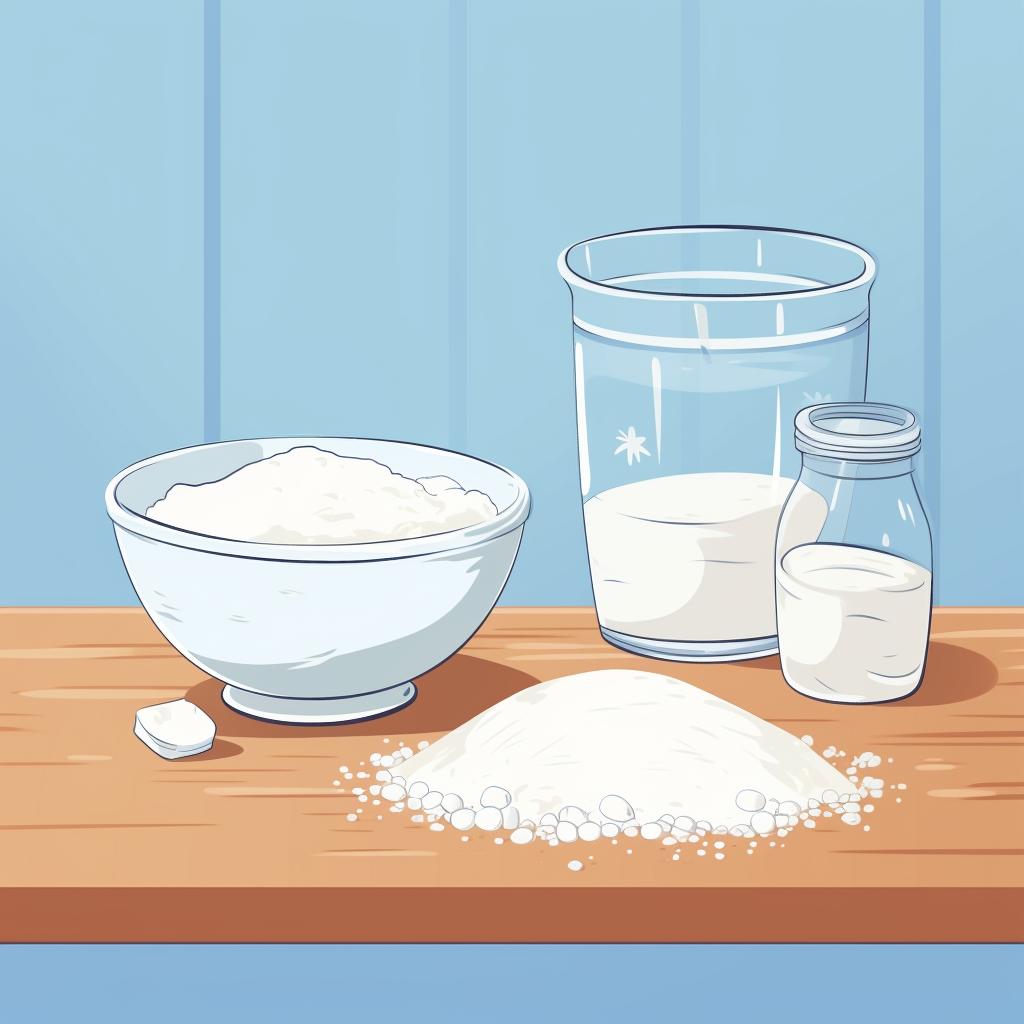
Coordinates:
876 507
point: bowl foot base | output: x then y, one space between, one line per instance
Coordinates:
693 650
320 710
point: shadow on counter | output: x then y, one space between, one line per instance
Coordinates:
451 694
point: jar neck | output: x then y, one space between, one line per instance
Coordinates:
846 469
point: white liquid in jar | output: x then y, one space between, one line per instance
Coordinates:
853 622
687 557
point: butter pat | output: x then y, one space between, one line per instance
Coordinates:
176 729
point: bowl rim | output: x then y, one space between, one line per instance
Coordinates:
511 518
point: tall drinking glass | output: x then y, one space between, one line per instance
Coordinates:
695 347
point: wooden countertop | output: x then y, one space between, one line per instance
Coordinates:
100 840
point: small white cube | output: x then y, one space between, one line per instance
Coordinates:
175 729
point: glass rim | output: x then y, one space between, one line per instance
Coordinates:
577 280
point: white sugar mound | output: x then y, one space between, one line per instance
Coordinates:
310 496
617 747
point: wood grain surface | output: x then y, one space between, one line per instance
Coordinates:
100 840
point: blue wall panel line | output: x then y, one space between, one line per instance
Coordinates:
101 314
576 127
689 127
458 345
793 136
211 220
982 151
334 218
932 166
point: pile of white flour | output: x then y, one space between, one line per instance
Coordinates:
619 751
310 496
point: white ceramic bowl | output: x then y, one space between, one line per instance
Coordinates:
316 633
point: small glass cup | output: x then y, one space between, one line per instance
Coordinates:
854 557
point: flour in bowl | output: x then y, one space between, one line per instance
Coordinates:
310 496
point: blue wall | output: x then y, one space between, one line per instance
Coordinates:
329 216
101 274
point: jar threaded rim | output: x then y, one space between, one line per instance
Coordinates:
858 431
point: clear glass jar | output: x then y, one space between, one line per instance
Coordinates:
694 349
854 557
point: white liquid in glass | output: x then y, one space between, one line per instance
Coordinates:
687 557
853 622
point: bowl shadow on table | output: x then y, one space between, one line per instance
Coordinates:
447 696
